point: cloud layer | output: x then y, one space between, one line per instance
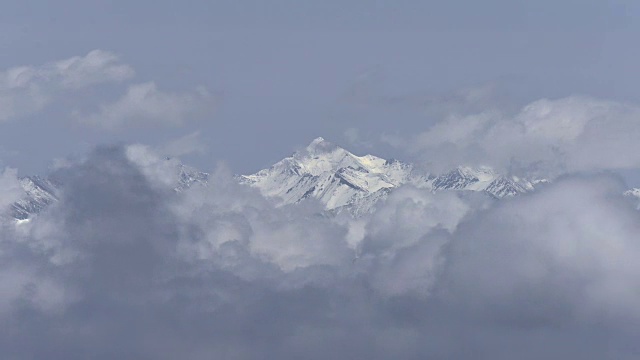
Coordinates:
28 90
546 136
144 104
25 90
123 266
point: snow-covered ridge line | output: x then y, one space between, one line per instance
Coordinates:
40 192
329 173
335 177
342 180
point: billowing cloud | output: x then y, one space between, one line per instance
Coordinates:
145 104
547 136
563 254
25 90
124 266
10 189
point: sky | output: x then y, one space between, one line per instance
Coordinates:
281 73
123 266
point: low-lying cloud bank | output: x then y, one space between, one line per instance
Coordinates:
125 267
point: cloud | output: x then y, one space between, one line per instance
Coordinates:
144 104
563 254
124 266
96 67
26 90
10 189
184 145
547 136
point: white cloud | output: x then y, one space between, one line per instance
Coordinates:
157 169
438 275
96 67
552 136
10 189
568 250
25 90
145 104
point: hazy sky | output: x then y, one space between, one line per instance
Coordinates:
277 74
122 266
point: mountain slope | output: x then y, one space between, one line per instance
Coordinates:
482 179
38 193
340 179
336 178
330 174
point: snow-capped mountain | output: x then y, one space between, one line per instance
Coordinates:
188 176
634 194
481 179
38 193
338 179
334 176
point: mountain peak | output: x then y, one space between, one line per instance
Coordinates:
332 175
326 172
320 145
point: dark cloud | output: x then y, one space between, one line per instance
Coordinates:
125 267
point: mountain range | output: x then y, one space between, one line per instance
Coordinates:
338 179
341 180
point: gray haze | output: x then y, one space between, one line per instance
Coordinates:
280 73
122 266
